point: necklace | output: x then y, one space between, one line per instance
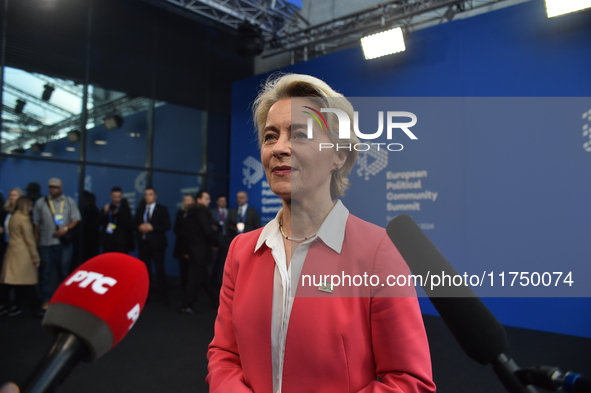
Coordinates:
293 239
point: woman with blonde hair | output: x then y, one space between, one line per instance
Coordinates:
21 260
274 333
5 214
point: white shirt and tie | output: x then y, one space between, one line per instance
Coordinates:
242 212
148 214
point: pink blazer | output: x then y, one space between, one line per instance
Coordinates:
334 343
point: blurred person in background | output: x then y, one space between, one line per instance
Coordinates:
19 271
33 191
200 232
90 232
181 241
220 215
152 221
116 223
5 214
243 218
54 217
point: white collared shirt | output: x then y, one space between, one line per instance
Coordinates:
242 212
151 211
285 280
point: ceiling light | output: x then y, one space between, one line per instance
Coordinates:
20 105
561 7
100 142
38 147
382 44
113 122
450 13
73 136
251 41
46 154
47 91
70 148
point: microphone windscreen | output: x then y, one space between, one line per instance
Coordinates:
475 328
100 301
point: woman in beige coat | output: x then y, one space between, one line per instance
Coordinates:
21 260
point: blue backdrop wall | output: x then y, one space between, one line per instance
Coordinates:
502 161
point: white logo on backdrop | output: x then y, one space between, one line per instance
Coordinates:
140 182
252 171
587 131
371 162
88 183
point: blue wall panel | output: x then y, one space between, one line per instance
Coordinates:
512 174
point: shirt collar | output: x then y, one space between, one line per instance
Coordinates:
331 232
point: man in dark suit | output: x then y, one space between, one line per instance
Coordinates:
116 222
244 218
220 215
152 221
181 241
200 232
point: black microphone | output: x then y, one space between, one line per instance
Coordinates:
551 378
90 312
475 328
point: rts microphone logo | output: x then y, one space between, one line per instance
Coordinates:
99 283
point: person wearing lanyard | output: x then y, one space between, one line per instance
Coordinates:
54 217
116 222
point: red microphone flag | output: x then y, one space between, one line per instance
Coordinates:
100 301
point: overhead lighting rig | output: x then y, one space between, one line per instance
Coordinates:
47 92
286 31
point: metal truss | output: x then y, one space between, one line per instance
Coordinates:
286 31
273 17
345 31
44 104
123 106
66 85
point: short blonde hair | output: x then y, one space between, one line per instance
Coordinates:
7 206
280 86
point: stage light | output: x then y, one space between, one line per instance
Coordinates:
47 91
113 122
561 7
73 136
382 44
20 105
250 40
450 13
37 147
